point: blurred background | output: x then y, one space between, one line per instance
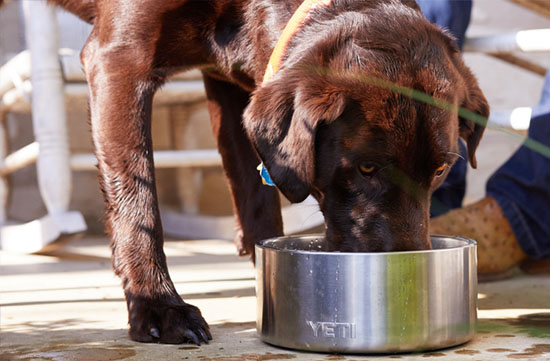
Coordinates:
180 119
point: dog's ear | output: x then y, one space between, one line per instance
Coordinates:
470 129
281 122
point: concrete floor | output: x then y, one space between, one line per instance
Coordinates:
71 307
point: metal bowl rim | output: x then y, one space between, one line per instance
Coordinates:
468 243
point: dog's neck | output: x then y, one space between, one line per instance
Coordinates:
289 31
242 44
270 26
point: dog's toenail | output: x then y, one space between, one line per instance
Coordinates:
154 332
203 335
191 337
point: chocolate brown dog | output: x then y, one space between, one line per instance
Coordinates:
338 120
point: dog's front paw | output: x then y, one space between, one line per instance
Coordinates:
166 322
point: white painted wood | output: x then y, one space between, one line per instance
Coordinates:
19 159
524 40
17 100
302 216
296 218
42 235
48 106
50 131
72 68
51 77
176 92
4 186
18 70
194 158
15 71
163 159
517 118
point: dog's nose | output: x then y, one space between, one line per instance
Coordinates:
410 236
419 237
421 243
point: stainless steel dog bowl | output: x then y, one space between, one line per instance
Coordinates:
309 299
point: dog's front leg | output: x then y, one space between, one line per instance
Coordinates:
121 93
257 207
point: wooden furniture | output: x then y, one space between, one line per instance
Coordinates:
40 81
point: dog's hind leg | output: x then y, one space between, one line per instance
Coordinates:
257 207
119 71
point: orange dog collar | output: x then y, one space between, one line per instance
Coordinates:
279 51
289 31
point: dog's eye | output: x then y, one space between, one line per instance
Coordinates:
439 171
367 168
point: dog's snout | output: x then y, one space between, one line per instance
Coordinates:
404 235
368 227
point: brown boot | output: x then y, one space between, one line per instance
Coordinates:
497 247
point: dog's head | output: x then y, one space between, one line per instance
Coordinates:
343 123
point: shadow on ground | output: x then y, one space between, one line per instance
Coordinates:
64 340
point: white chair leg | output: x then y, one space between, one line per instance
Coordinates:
4 186
50 131
48 107
296 218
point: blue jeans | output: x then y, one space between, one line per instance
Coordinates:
453 15
521 186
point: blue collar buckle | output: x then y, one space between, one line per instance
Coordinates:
266 179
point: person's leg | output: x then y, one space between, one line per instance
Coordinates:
513 221
544 101
521 187
543 107
453 15
483 221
